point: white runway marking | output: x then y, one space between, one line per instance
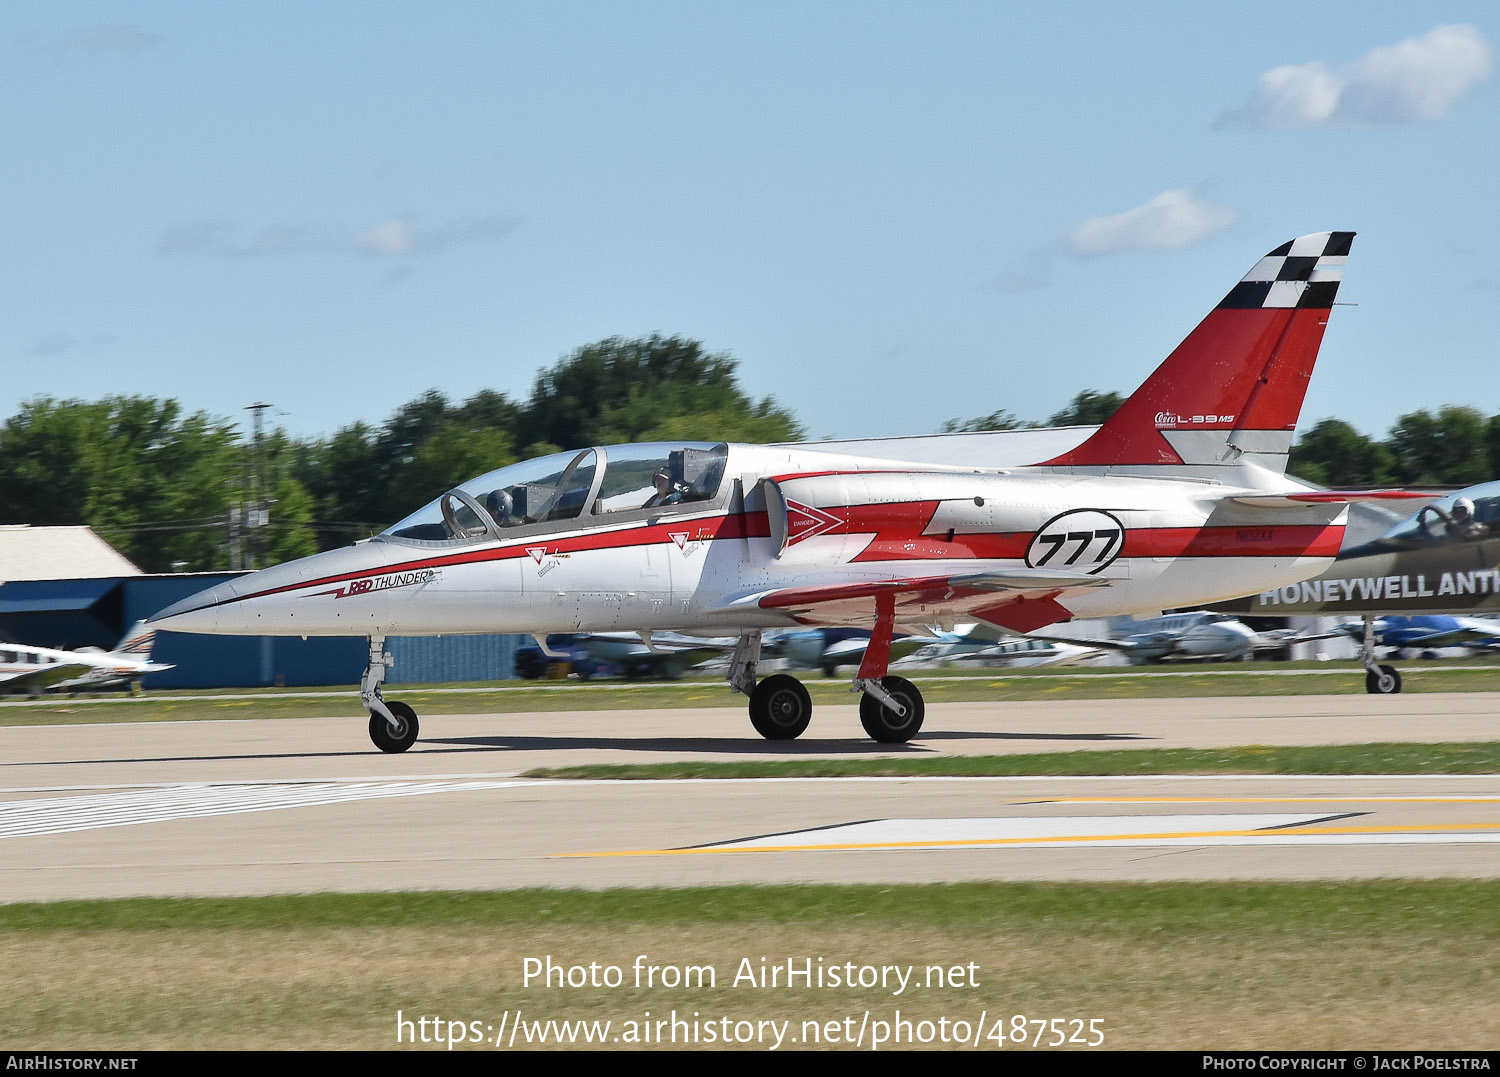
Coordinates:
61 815
958 833
1146 831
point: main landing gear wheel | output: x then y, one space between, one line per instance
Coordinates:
780 707
884 724
1386 682
394 740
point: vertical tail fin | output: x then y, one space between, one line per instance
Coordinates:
137 643
1233 389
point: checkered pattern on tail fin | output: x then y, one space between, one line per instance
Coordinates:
1302 273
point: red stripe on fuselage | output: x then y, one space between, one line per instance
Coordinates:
705 528
897 530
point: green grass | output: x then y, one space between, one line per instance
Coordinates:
1135 910
1164 966
1377 758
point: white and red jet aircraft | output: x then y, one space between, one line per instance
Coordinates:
1179 499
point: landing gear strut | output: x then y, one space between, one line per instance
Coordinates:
891 708
1379 680
393 726
896 721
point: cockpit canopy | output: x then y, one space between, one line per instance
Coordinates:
584 485
1443 521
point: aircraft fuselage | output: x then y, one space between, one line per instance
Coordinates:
785 521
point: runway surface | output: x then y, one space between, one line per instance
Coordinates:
252 807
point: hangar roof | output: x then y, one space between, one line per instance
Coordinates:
58 553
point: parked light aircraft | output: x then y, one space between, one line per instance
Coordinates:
664 656
1189 635
829 649
1429 631
1179 499
32 670
1020 651
1444 559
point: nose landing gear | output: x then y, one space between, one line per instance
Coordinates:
393 725
1379 680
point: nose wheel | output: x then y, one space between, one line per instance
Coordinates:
1379 680
1383 680
396 738
393 726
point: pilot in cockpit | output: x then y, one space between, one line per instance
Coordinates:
666 493
499 505
1461 520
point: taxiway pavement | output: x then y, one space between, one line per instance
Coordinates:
252 807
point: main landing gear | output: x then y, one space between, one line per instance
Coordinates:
1379 680
890 709
393 726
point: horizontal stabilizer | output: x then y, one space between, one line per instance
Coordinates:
1330 497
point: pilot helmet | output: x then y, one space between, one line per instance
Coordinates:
1463 509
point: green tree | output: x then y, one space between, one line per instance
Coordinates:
291 532
1088 408
152 482
364 480
995 420
1451 447
1333 453
621 390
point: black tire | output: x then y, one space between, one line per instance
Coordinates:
387 740
1385 683
883 724
780 707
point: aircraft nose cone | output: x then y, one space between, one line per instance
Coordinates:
273 601
196 613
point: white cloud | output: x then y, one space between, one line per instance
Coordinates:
394 237
399 236
1171 220
120 39
1418 80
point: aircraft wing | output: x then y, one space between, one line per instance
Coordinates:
1159 645
1285 637
848 652
1017 599
660 655
1460 636
38 680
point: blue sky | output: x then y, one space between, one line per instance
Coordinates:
890 214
